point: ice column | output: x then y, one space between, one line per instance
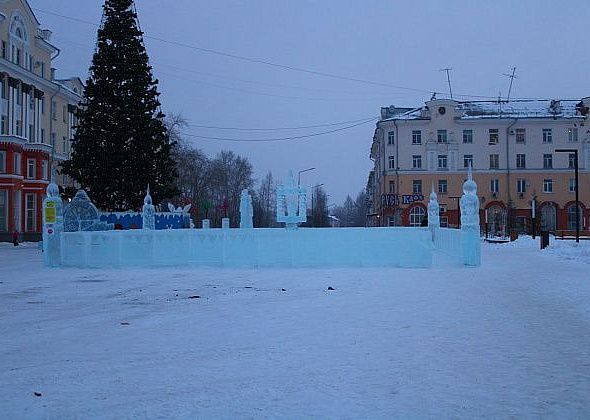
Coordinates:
246 210
470 241
291 203
53 225
433 213
149 212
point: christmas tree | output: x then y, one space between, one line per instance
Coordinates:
121 143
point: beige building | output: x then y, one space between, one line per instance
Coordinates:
511 147
37 118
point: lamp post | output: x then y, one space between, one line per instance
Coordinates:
299 174
534 214
575 152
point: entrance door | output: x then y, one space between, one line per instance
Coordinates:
548 217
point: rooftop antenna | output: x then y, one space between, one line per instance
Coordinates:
448 80
512 77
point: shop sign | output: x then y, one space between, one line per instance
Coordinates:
50 213
393 200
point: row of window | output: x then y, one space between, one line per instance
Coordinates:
24 60
442 161
521 186
31 166
30 211
493 136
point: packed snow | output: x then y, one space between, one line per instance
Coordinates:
508 339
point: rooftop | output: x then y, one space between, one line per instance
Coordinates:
549 108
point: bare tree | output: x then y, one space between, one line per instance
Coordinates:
319 213
265 202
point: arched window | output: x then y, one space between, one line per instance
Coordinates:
496 219
549 217
571 217
18 29
416 215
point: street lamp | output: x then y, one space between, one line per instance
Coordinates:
299 174
575 152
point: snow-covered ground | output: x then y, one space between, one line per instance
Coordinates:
508 339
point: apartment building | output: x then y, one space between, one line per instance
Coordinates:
511 147
37 118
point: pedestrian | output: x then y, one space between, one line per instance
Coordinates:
15 237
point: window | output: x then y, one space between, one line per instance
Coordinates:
44 170
442 161
571 217
31 168
467 136
17 164
571 161
521 186
547 161
64 145
19 95
521 161
547 135
53 110
65 114
42 70
3 124
2 161
444 221
391 187
417 186
4 49
547 185
53 140
391 162
494 186
416 137
572 135
417 161
42 139
3 211
520 135
416 216
42 105
494 161
3 89
442 186
494 135
467 161
30 212
391 137
441 136
572 185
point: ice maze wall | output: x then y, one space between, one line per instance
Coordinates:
252 248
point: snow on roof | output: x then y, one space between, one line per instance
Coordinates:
503 109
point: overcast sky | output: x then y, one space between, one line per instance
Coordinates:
396 43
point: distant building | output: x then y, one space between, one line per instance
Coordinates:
511 146
37 118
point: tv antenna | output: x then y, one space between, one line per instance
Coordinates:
448 80
512 77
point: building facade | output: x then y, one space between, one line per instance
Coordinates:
37 119
512 148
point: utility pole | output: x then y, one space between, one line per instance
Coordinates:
512 77
448 80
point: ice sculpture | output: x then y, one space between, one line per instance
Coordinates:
291 203
81 214
246 210
433 213
148 212
470 242
53 224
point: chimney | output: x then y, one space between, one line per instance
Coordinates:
52 73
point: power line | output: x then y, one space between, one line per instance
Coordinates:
276 65
303 127
277 139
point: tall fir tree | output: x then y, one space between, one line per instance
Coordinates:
121 143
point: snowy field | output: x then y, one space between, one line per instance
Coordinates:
510 339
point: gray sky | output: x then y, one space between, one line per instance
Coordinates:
392 42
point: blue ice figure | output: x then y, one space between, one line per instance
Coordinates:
433 213
246 211
470 242
53 225
148 212
291 203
